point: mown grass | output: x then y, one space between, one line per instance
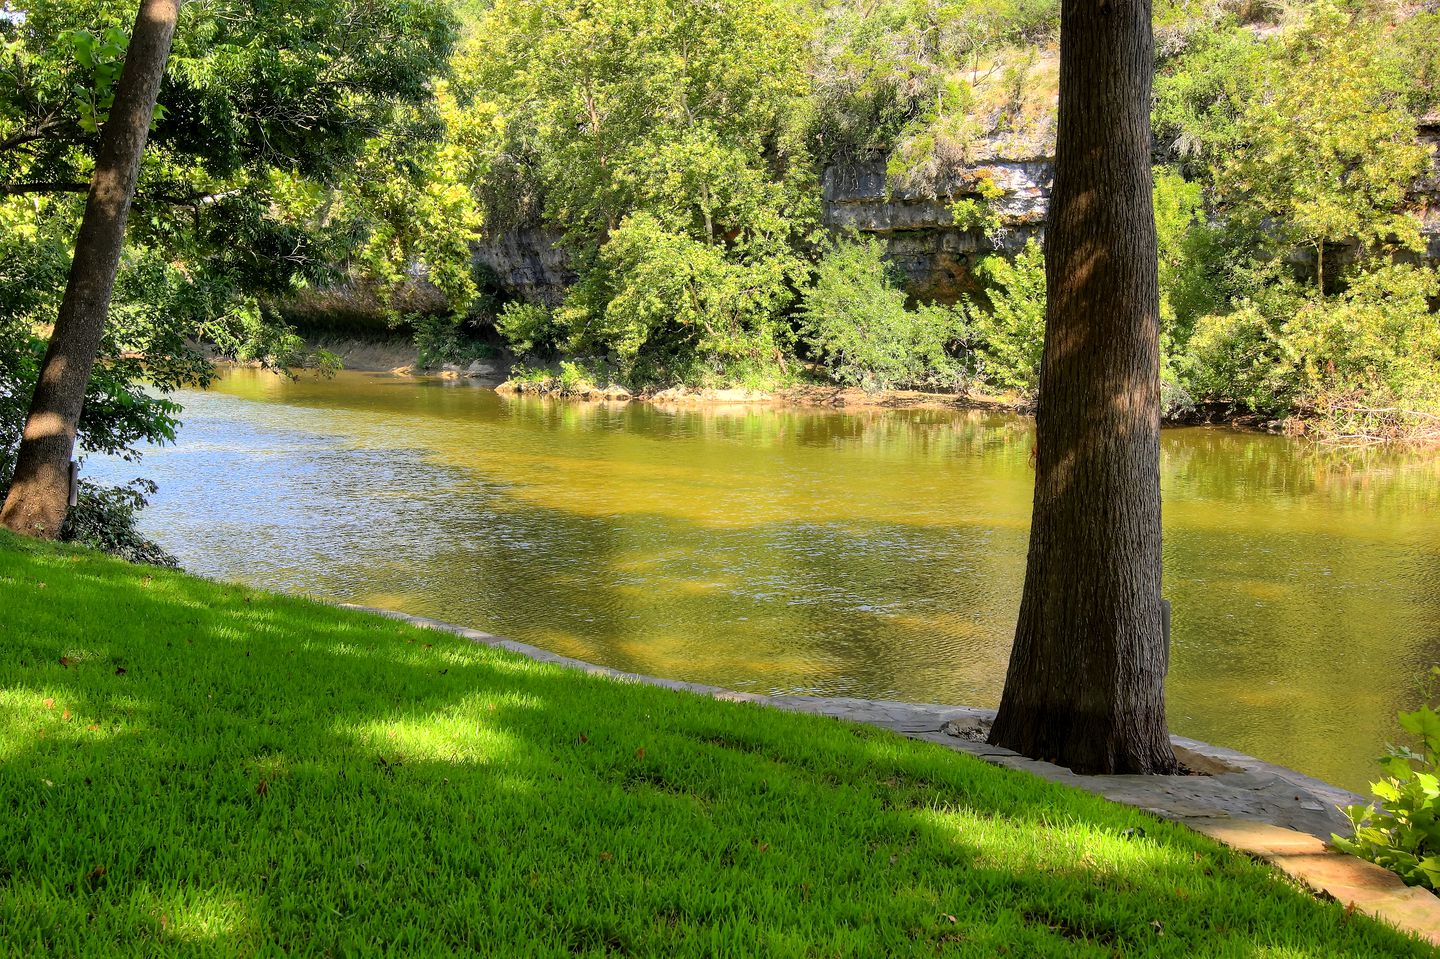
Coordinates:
193 768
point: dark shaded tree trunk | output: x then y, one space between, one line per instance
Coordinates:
1086 683
40 491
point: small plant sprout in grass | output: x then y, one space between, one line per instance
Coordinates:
217 771
1402 833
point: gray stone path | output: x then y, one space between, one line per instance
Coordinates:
1270 812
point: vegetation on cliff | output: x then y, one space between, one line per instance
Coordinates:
678 151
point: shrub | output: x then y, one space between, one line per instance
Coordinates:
1403 833
1010 333
1239 356
441 338
106 518
1359 359
527 327
854 317
660 305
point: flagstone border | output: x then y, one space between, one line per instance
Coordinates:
1269 812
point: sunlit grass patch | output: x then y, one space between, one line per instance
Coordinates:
193 768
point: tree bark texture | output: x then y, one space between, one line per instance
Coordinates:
1086 682
39 493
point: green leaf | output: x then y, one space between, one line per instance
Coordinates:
1385 790
1396 767
1423 722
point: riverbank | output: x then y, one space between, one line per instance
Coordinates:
192 766
398 357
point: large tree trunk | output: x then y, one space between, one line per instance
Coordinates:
1086 684
39 493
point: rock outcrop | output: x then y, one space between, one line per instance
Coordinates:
1427 192
527 263
937 256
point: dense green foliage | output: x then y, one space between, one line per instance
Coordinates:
678 148
268 114
1304 144
199 769
855 320
1402 833
1009 327
660 138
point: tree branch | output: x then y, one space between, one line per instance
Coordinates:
38 132
194 199
17 189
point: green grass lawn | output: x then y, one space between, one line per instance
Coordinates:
192 768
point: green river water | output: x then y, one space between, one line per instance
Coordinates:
873 554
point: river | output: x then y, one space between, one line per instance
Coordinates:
874 554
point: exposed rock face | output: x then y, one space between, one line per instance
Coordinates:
528 263
936 256
1427 192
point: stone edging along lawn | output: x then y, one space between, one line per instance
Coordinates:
1272 813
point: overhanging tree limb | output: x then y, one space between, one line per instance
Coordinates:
150 196
39 493
21 189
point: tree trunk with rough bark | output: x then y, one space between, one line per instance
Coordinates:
1086 683
39 493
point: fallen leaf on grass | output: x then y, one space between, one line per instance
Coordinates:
640 753
65 660
48 703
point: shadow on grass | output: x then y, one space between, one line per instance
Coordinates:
188 767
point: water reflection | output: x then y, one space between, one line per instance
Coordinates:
868 554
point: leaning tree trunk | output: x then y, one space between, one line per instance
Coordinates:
39 492
1086 684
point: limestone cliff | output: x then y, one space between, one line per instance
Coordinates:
936 256
527 263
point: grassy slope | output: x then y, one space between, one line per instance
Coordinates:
195 768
